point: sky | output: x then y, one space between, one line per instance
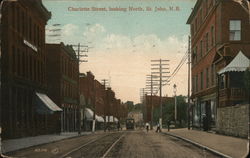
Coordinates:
123 37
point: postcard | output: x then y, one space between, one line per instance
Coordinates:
125 78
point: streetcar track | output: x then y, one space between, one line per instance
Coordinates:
112 146
67 155
76 149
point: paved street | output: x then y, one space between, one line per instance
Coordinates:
116 144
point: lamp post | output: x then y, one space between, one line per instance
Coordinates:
175 104
1 6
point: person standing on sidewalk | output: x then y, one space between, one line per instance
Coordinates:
158 128
168 124
147 126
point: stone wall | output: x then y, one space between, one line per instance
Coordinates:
233 120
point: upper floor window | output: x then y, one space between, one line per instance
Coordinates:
206 41
212 36
201 48
235 30
201 81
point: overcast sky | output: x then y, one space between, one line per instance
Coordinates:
124 42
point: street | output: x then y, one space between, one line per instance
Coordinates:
122 144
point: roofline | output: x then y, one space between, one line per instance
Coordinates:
196 6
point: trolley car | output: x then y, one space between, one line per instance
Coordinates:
130 123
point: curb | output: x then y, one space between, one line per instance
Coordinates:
26 147
199 145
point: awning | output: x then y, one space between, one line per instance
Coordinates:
89 115
115 119
99 118
238 64
44 105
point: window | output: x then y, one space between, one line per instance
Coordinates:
222 81
201 16
212 36
212 74
201 43
14 59
207 42
196 25
192 29
201 81
235 30
195 52
207 78
196 83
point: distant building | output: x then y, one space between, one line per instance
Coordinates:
154 102
62 73
26 110
136 115
219 31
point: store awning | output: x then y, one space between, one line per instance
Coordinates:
99 118
115 119
89 115
44 105
238 64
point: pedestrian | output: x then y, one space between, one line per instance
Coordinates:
205 122
118 125
158 128
168 123
147 126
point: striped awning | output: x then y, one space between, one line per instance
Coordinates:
239 64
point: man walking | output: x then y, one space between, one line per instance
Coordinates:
158 128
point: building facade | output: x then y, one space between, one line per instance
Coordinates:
62 73
24 80
219 30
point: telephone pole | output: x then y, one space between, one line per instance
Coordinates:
161 69
104 82
189 53
79 61
151 84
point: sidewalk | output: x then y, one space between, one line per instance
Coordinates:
231 146
21 143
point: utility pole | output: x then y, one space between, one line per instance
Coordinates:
93 124
161 70
175 104
143 97
104 111
151 86
79 61
189 53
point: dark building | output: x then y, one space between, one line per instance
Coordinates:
23 63
219 31
63 75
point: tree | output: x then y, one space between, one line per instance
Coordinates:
168 111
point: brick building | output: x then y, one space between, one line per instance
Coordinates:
100 98
24 82
62 73
219 30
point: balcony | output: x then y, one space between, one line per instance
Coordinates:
232 94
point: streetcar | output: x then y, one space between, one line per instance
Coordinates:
130 124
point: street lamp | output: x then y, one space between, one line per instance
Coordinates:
1 6
175 103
